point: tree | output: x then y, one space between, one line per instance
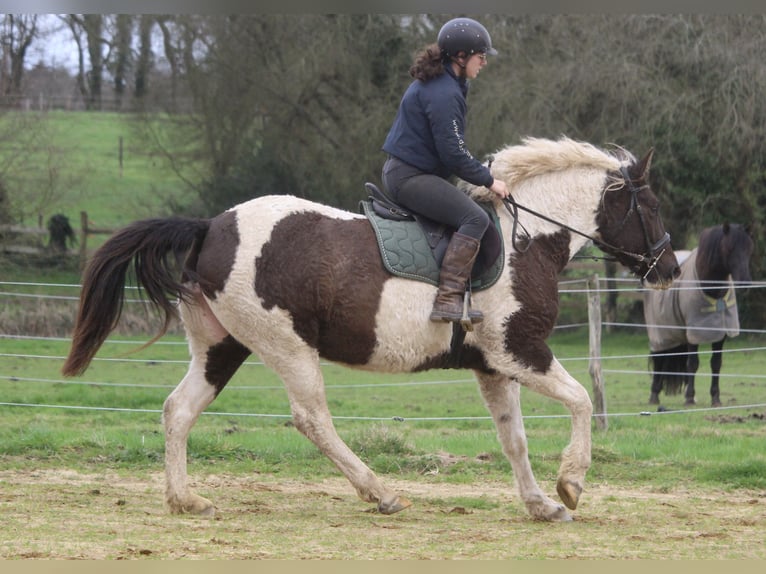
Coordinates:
87 33
18 33
122 50
288 103
145 24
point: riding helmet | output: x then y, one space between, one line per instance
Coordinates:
464 35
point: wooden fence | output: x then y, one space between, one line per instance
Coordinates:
37 234
32 240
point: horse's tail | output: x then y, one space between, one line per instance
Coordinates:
147 244
669 368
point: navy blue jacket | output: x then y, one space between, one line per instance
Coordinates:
427 132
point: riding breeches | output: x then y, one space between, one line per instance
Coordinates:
434 197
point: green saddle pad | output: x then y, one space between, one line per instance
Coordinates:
406 253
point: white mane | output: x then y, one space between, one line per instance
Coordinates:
538 156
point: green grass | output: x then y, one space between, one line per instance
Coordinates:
86 158
248 426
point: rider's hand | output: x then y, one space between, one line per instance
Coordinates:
499 188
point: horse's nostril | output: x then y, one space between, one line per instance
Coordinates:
676 272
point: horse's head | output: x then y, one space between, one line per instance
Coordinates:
725 250
630 227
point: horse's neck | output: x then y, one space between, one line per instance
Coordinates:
564 198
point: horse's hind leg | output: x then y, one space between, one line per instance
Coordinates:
502 397
305 388
215 356
716 360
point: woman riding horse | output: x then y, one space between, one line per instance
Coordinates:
426 145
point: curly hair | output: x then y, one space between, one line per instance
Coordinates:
428 63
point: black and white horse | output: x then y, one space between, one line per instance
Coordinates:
294 282
700 309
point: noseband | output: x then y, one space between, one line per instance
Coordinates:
654 250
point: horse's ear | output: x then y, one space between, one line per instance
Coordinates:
646 163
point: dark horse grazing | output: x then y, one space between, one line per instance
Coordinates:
702 309
295 282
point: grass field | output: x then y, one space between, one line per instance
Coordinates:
84 151
437 411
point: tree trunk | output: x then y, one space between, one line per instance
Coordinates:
122 55
144 55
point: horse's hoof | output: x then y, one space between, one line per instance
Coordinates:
394 506
716 404
549 511
560 515
654 399
569 492
690 403
197 506
207 512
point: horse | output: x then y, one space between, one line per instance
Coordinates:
294 281
702 310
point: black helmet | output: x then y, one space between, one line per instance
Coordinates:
464 35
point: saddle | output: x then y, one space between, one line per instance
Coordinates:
413 246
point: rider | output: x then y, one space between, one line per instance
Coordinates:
426 145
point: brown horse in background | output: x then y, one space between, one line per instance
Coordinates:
701 308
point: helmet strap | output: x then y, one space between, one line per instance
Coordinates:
461 63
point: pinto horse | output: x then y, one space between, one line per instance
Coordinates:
294 282
703 309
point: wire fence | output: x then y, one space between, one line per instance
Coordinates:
10 291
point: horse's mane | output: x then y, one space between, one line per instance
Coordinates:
537 156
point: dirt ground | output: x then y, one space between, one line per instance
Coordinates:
55 514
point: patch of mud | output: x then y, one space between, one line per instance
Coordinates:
729 419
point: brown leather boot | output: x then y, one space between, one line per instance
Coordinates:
453 278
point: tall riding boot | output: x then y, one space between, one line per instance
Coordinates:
453 279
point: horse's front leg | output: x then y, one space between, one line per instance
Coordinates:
692 364
657 368
502 398
716 360
559 385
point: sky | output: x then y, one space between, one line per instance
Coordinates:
58 49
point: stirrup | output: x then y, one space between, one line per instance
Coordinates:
466 322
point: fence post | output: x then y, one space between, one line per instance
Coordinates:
594 366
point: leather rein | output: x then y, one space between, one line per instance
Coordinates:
654 250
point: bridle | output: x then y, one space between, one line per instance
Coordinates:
654 250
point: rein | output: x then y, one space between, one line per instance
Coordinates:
651 257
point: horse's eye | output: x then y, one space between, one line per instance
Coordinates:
653 206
